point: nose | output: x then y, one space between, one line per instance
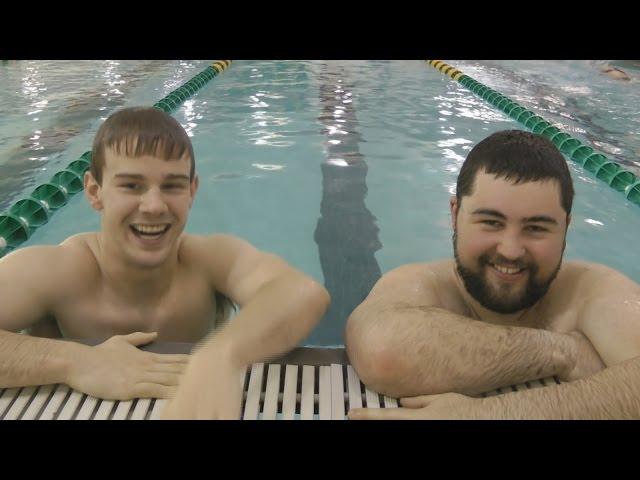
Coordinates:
511 247
152 202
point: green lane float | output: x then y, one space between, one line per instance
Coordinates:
178 96
19 222
603 168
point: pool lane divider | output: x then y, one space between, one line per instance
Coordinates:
19 222
605 169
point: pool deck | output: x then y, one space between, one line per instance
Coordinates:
308 383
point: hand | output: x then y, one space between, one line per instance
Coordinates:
211 388
117 370
587 361
444 406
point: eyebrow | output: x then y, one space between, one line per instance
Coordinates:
496 213
137 176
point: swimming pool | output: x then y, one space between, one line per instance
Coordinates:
342 168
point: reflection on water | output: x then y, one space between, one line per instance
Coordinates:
62 100
360 156
574 96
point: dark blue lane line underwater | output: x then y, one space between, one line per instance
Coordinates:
346 234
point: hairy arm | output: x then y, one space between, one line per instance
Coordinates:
610 320
26 360
402 343
613 393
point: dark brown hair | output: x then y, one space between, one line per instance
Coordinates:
518 156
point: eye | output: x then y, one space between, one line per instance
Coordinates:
130 186
536 229
174 186
491 223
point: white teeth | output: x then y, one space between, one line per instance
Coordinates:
510 271
150 229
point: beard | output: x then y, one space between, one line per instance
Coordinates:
502 300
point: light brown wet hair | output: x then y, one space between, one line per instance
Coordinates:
137 132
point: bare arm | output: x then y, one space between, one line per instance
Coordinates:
26 288
613 393
610 320
403 344
26 360
30 281
278 308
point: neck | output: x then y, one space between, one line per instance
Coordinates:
131 282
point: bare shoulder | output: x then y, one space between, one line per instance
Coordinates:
415 283
216 247
607 304
234 266
426 273
51 268
595 279
215 240
216 255
71 252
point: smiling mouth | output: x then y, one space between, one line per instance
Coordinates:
149 232
506 270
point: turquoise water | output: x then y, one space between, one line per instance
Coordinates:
600 111
342 168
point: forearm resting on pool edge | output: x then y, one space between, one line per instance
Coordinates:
406 351
281 314
613 393
26 360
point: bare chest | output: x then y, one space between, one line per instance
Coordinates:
186 314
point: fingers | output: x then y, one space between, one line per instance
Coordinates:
154 390
173 358
139 338
416 402
381 414
177 368
162 378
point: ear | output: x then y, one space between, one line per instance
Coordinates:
195 183
93 190
453 207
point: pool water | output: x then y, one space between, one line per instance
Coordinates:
343 168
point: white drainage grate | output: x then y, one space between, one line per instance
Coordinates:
271 392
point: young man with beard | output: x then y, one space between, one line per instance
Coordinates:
506 310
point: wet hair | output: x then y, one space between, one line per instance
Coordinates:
517 156
140 131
